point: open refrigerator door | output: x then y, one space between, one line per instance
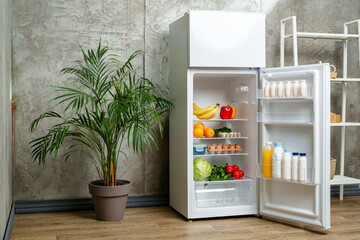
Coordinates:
301 122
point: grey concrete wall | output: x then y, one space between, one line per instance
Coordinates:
5 114
323 16
46 37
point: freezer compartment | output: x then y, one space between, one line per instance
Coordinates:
306 118
302 176
224 193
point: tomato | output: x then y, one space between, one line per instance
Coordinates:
238 174
229 169
236 167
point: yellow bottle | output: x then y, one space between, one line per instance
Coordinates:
267 160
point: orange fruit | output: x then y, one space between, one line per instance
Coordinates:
209 132
198 132
199 125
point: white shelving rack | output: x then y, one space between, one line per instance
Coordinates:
345 38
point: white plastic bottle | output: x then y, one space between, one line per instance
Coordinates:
267 90
303 88
296 89
280 89
273 89
295 166
276 160
286 165
288 89
302 168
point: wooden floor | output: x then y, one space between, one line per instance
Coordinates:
165 223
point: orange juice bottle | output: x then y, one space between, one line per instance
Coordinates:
267 160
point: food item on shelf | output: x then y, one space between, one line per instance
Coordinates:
267 90
302 168
280 89
267 160
229 169
217 173
296 89
198 132
237 148
286 165
276 160
231 148
303 88
295 166
206 113
228 176
226 112
199 149
223 130
233 115
273 89
209 132
225 149
231 134
202 169
288 89
236 167
334 118
199 125
218 149
208 146
238 174
211 149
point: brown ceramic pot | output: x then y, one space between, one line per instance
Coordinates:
109 201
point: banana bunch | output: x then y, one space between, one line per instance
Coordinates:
206 113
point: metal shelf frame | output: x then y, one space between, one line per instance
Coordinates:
345 38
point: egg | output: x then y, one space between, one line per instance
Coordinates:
231 148
208 146
218 149
212 149
238 148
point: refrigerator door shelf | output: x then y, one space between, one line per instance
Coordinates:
309 97
309 172
289 118
225 193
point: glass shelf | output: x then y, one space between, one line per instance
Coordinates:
219 120
221 154
220 138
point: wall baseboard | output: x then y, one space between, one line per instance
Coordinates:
67 205
349 190
10 222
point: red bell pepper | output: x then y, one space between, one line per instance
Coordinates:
226 112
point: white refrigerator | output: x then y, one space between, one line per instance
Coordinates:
219 57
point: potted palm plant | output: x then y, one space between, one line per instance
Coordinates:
106 105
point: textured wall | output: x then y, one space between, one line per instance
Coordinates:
46 37
323 16
5 114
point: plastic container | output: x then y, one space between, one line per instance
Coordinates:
267 90
302 168
280 89
286 165
295 166
296 89
273 89
288 89
303 88
199 149
276 160
267 160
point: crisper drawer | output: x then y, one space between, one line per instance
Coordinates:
224 193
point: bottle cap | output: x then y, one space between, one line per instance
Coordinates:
278 144
286 149
302 154
295 154
268 143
